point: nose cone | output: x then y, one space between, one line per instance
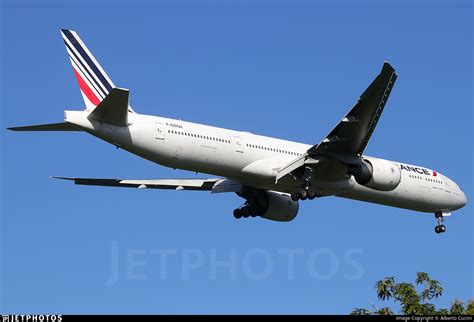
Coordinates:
462 199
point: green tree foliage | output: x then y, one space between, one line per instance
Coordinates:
457 308
470 308
414 298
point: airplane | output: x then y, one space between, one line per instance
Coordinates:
272 175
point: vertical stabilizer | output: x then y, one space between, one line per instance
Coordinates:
93 82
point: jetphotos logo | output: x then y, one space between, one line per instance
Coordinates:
31 318
418 170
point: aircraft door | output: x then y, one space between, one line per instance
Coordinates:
159 131
447 186
239 147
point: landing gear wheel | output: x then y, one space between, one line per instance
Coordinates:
303 195
237 213
245 212
295 196
440 229
311 194
252 210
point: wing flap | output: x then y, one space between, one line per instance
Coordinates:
293 165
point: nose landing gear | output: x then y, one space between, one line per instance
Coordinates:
440 228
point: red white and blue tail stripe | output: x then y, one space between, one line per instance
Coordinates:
93 81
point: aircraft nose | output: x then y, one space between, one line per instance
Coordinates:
463 199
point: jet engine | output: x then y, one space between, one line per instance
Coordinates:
267 204
377 174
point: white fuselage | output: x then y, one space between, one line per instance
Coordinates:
253 159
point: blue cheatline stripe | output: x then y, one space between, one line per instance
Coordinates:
85 70
86 57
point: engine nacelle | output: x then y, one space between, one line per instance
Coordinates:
280 207
267 204
377 174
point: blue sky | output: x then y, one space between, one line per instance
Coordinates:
285 69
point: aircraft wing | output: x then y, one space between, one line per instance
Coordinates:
214 185
352 134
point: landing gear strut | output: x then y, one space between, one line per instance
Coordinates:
440 228
306 192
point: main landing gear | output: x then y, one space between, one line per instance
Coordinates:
440 228
306 192
247 210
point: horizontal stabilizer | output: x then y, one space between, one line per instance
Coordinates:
113 109
65 126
